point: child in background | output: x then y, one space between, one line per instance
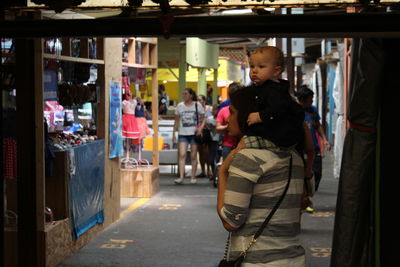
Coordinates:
277 117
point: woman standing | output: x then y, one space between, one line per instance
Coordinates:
247 193
203 146
189 122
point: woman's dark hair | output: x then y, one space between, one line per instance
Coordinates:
202 97
192 93
161 88
244 102
304 92
232 88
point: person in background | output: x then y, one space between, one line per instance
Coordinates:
140 116
148 110
202 146
312 119
250 182
228 142
163 100
209 94
189 122
227 101
211 123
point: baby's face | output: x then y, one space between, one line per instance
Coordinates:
263 68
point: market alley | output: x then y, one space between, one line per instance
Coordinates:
180 227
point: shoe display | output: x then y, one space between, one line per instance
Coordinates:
178 181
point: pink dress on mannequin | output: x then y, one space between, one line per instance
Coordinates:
130 127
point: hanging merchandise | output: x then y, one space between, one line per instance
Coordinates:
338 90
50 85
137 75
70 95
354 236
125 85
92 48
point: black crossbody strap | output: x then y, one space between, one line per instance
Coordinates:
262 227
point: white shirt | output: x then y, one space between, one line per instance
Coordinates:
187 117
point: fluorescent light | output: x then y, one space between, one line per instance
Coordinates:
237 11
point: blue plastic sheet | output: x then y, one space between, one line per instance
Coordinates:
86 186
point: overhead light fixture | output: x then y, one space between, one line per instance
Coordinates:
237 11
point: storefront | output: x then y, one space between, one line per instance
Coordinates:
75 99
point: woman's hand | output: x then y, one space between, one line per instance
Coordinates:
199 131
253 118
173 138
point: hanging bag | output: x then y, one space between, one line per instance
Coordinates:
238 261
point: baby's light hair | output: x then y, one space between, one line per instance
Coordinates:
276 53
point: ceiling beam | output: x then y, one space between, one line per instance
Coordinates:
336 25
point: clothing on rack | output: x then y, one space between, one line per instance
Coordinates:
10 158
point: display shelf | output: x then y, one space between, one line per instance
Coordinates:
73 59
141 53
83 50
142 66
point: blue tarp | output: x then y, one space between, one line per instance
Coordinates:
86 186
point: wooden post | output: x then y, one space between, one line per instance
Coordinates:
154 116
323 68
215 92
346 79
111 71
30 141
182 73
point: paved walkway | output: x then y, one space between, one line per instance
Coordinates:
179 227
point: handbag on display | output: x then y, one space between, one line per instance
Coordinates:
238 261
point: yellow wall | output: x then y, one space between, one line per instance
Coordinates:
172 89
226 71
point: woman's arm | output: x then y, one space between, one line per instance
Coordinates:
220 127
199 129
324 141
222 181
176 125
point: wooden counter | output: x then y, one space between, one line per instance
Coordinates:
140 182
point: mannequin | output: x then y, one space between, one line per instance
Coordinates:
130 129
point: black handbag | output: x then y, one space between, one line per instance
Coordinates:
238 261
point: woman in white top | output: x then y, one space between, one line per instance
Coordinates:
189 122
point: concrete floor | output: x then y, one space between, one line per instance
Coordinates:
179 227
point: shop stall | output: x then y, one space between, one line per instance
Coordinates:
77 183
139 176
